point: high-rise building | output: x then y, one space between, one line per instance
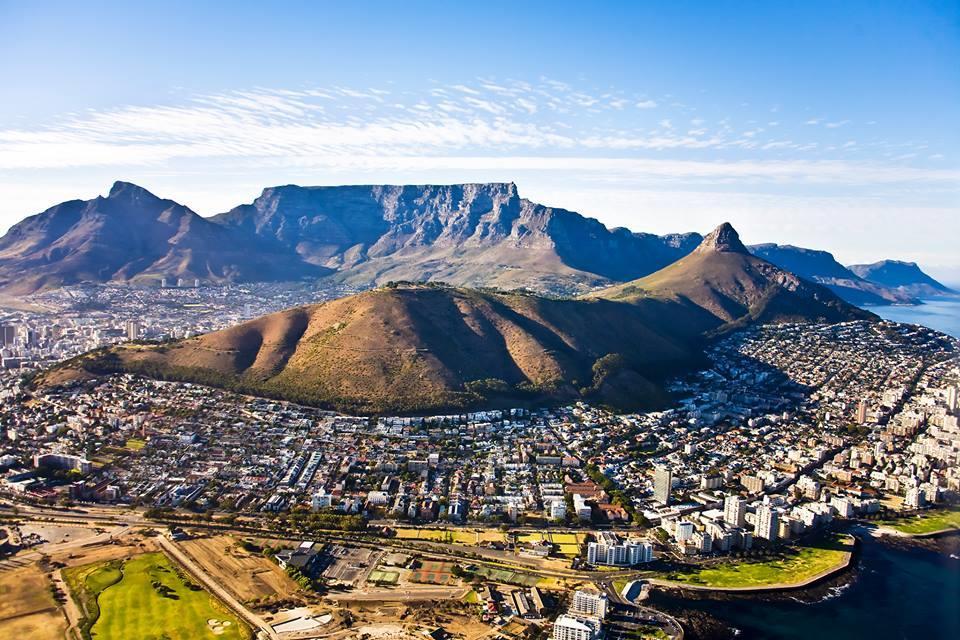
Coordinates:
589 603
684 531
952 399
568 627
8 334
767 523
735 511
915 498
662 484
133 330
862 411
608 550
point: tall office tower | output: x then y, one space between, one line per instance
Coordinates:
767 523
662 484
862 411
735 511
133 330
952 399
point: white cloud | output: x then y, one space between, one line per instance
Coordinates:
646 104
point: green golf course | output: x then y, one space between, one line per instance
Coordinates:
148 598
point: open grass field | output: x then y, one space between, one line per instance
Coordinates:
27 609
801 565
468 537
136 444
246 575
147 597
928 522
507 576
567 545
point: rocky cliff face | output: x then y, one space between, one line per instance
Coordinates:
476 234
465 234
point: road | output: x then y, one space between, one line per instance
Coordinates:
255 621
401 594
628 616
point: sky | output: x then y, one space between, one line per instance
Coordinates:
833 125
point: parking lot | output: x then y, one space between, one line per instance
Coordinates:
348 564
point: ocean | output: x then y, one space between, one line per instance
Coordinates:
942 314
895 593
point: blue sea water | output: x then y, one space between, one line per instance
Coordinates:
942 314
894 594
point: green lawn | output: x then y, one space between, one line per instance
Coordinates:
795 567
147 598
506 576
929 522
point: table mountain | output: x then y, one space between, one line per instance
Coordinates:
464 234
435 348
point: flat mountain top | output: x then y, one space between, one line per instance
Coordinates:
480 235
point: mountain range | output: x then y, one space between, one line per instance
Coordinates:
474 235
407 348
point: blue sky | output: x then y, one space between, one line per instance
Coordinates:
834 125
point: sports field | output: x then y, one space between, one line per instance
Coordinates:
567 544
928 522
380 576
804 564
467 537
148 597
433 572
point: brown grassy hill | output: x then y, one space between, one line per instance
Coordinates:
425 348
431 348
721 285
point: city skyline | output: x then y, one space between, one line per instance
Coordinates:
801 125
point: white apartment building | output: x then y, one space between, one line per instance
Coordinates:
568 627
589 603
767 523
735 511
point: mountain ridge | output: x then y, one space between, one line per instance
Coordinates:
432 348
902 276
821 267
477 234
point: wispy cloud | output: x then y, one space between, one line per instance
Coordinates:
547 125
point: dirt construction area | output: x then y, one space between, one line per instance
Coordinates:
247 575
27 609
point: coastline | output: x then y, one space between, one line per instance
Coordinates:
836 570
